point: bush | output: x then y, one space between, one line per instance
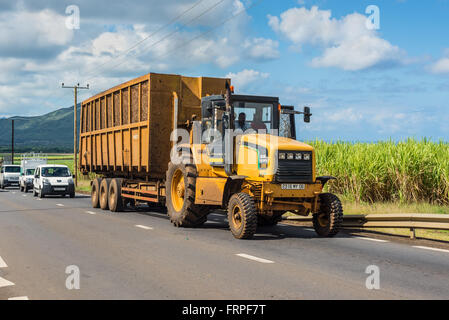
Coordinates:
407 171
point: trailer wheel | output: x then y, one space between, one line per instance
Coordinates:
180 192
242 216
94 193
104 193
115 200
327 222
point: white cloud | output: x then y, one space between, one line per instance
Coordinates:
261 48
347 43
38 52
442 65
245 77
25 32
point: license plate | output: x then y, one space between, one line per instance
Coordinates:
293 186
59 189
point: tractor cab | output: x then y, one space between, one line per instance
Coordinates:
248 114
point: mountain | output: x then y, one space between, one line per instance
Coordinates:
51 132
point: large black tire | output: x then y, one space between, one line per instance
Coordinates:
242 216
327 222
115 200
181 207
104 193
95 193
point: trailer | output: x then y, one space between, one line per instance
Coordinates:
125 134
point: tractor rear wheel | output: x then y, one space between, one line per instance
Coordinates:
327 222
104 193
242 216
180 189
94 193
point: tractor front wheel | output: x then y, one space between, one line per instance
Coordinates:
242 216
327 222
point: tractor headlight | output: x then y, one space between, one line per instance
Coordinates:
298 156
282 156
306 156
290 156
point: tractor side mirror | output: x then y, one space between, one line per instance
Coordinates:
307 114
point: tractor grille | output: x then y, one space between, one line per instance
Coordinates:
295 171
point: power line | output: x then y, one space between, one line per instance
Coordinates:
125 52
172 33
215 27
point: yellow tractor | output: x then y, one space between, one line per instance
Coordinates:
243 157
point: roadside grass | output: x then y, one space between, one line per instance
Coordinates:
352 207
83 185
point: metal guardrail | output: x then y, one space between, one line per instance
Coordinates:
397 220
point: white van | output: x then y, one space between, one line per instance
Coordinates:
9 176
27 167
53 179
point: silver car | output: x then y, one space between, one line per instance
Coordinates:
9 176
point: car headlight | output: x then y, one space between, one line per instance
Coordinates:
70 181
46 181
282 155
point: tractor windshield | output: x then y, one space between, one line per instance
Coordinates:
252 117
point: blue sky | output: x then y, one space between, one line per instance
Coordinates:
362 84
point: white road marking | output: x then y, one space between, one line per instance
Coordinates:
309 229
430 248
24 195
19 298
60 205
3 263
5 283
90 212
13 192
371 239
143 227
247 256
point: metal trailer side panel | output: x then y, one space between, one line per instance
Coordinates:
126 130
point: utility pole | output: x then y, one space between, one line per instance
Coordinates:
12 141
75 162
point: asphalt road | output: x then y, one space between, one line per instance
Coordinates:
140 255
